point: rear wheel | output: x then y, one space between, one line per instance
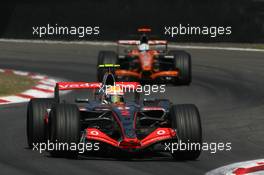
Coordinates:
36 111
182 62
65 129
186 120
105 57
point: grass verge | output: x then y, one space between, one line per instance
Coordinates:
11 84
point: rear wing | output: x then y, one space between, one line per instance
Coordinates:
144 30
64 86
137 42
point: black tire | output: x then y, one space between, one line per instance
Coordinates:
105 57
36 110
182 62
65 128
186 120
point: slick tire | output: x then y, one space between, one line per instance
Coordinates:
105 57
65 128
182 62
186 120
36 110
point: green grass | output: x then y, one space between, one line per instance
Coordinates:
11 84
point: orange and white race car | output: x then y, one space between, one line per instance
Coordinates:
147 61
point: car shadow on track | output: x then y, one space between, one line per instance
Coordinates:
116 156
146 157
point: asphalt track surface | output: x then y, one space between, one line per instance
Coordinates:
227 88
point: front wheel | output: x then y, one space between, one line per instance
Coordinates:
105 57
186 120
65 129
182 62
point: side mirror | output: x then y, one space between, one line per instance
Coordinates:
81 100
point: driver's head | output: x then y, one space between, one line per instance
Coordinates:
114 94
143 47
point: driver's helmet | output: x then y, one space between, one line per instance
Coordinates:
114 94
143 47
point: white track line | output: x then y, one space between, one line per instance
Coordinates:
216 48
113 44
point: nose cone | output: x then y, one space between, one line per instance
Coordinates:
128 143
146 61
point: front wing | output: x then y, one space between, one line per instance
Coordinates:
153 76
158 135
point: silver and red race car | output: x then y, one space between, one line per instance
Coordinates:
112 120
